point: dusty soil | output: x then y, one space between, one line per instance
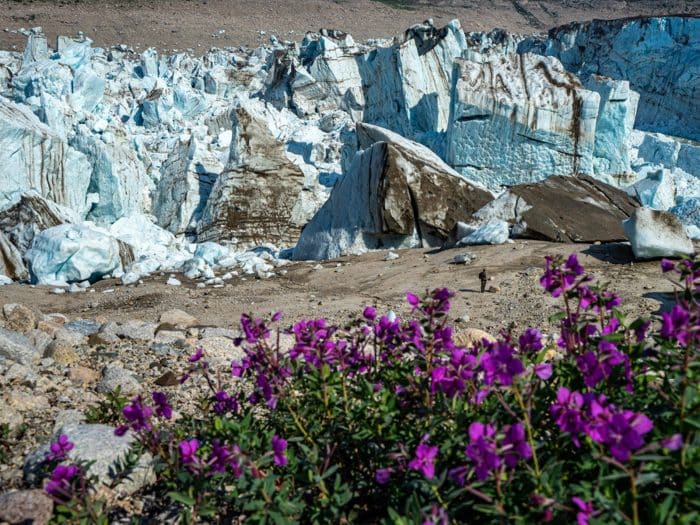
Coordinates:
200 24
344 286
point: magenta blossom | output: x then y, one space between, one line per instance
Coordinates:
58 450
197 355
585 510
424 462
482 449
188 451
279 445
163 408
383 475
59 486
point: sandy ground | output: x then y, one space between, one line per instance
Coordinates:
200 24
343 287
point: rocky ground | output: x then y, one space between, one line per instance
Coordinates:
200 24
63 353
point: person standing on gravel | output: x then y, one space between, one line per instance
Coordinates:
483 279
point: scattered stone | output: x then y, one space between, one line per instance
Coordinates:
168 379
464 258
471 336
177 319
83 326
48 327
17 348
391 256
62 352
26 507
19 318
494 289
82 375
173 282
114 376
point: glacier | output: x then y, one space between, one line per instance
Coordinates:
247 147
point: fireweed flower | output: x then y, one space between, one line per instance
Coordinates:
369 313
453 376
622 431
59 486
673 442
678 325
188 451
413 300
137 415
196 356
437 516
482 449
223 403
530 341
567 413
543 371
500 364
59 449
222 457
585 510
424 461
667 266
559 278
515 446
279 445
163 408
383 475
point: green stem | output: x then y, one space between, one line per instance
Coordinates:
530 437
633 488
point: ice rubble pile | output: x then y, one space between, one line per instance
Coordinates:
243 147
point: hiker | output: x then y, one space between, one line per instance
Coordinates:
483 279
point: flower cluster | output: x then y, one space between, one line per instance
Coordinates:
139 414
620 430
58 451
60 485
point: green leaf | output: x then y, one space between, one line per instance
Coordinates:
181 498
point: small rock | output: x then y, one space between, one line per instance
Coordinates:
471 336
26 506
82 375
173 282
27 402
17 348
463 319
494 289
48 327
114 376
21 374
178 319
168 379
19 317
39 339
70 337
83 326
58 291
463 258
391 256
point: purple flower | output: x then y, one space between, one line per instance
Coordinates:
676 325
223 403
196 356
482 449
500 364
412 299
567 413
59 486
530 341
543 371
559 278
279 445
222 457
515 445
667 266
673 442
369 313
452 378
276 317
163 408
437 516
424 462
640 332
137 415
188 451
59 449
622 432
585 510
383 475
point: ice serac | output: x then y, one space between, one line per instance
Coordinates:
563 209
404 86
658 56
254 199
655 233
34 157
519 118
688 211
397 194
72 253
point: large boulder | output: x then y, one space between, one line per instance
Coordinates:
72 253
658 56
563 209
11 263
396 194
655 233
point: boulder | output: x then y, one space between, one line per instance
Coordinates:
398 194
19 317
563 209
72 253
654 234
98 445
30 215
16 347
11 263
26 506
